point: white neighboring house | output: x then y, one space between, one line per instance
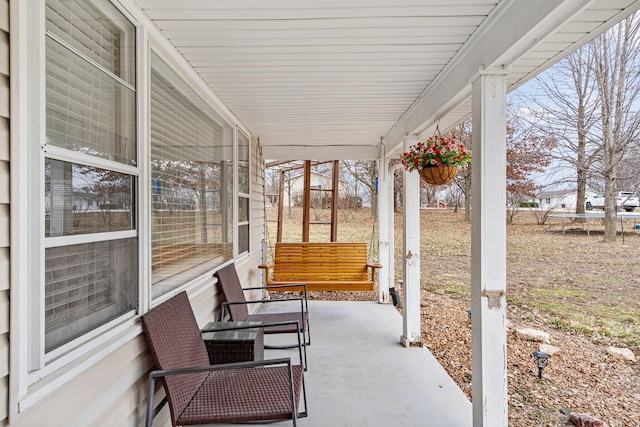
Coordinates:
557 199
294 187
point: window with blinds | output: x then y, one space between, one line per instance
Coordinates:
91 80
191 182
89 169
244 206
86 286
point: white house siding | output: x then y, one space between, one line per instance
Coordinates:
249 273
258 220
4 210
108 393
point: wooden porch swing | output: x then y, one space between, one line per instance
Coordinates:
326 266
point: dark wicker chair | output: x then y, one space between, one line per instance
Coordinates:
199 393
236 305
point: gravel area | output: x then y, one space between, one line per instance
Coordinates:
581 377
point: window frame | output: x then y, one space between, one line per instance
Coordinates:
28 105
36 362
240 195
146 264
41 360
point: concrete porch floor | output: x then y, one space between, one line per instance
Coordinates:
360 375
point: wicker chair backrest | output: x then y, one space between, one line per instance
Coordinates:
228 279
175 342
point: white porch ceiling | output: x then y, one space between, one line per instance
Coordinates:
325 79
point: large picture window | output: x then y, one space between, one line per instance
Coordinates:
191 182
95 231
90 171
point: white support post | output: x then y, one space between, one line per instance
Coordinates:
392 244
384 232
488 250
411 254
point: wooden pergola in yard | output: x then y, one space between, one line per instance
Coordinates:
306 200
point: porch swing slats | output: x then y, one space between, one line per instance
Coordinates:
329 266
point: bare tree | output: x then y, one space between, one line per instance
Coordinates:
566 109
462 133
616 70
454 196
527 152
272 185
428 193
628 171
397 189
365 173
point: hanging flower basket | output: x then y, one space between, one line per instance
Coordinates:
437 159
438 175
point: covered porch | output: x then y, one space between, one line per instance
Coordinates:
228 86
359 373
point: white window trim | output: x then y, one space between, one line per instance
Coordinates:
78 239
65 155
38 357
29 99
238 194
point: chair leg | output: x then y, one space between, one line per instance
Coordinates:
304 399
306 339
308 334
304 348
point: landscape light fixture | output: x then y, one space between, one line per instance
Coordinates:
542 359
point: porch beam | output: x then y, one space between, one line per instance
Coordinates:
320 152
488 250
411 254
511 30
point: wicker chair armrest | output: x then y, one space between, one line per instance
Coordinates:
374 265
152 412
292 285
256 326
257 301
232 328
225 305
212 368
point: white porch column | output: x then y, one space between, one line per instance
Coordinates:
411 254
488 250
392 240
384 231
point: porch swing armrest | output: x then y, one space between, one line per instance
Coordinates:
268 269
373 268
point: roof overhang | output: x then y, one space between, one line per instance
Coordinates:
325 81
